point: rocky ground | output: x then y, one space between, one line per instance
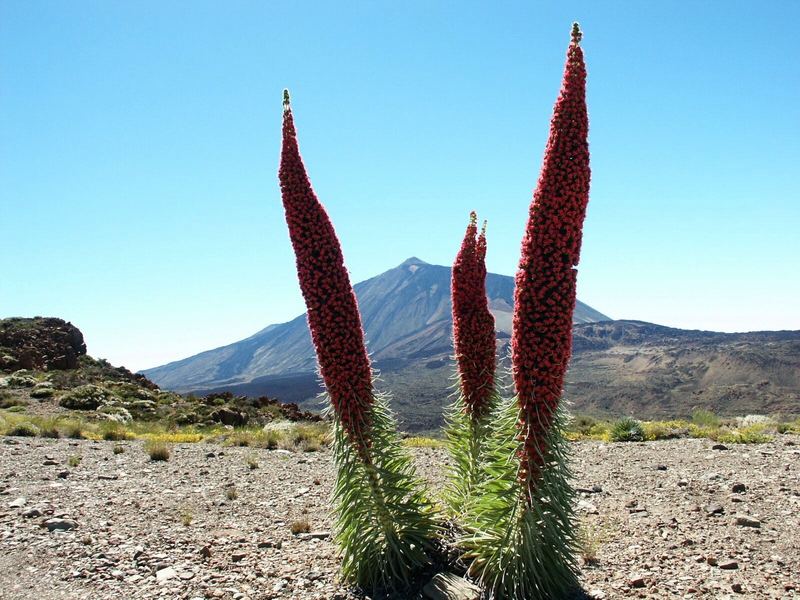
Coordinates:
661 520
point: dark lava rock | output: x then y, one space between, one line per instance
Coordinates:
40 343
228 416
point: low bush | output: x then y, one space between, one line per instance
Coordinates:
705 418
423 442
23 430
627 430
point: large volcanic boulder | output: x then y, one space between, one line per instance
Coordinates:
39 343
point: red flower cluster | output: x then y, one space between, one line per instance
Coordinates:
333 316
473 324
545 284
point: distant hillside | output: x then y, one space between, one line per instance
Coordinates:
617 368
405 312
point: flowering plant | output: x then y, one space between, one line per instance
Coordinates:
384 521
521 533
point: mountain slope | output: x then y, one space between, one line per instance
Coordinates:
617 368
405 313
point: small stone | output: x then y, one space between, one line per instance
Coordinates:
205 552
637 581
186 575
166 574
715 509
719 447
18 503
63 474
59 524
50 463
730 565
446 586
712 560
319 535
737 587
661 467
270 544
238 556
108 477
587 507
745 521
738 488
32 513
683 483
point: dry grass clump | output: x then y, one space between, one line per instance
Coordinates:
186 516
301 525
112 431
252 461
157 450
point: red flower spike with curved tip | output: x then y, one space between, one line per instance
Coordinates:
473 324
333 316
544 298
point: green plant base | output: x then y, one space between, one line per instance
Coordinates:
521 546
385 524
466 438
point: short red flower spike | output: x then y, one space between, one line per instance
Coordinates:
544 299
333 316
473 324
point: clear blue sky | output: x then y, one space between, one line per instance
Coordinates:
139 147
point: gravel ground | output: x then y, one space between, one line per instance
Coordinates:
661 520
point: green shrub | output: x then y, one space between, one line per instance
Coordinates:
582 424
705 418
627 430
423 442
665 430
24 430
42 391
87 397
745 435
789 427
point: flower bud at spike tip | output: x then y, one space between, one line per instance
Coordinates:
577 34
544 298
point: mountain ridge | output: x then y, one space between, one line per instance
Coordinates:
617 367
405 311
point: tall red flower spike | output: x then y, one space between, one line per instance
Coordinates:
545 283
333 316
473 324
